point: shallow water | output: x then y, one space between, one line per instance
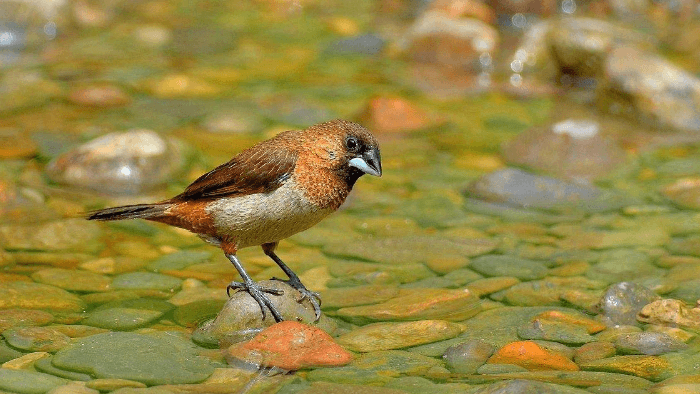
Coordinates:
542 269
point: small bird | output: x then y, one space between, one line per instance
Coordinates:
267 193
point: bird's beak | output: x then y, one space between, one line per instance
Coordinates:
370 162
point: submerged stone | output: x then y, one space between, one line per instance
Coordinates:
63 235
145 280
122 355
28 382
522 269
649 343
36 339
647 367
623 301
73 280
467 357
28 295
388 336
23 317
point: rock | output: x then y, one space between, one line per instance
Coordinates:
73 388
241 317
623 301
73 280
145 280
62 235
28 295
392 115
170 359
113 384
616 265
291 345
688 291
24 89
418 304
347 388
294 111
521 189
15 144
669 312
127 314
548 330
522 269
486 286
44 365
528 386
594 351
579 319
467 357
36 339
572 149
23 317
649 343
28 382
120 163
388 336
647 367
529 355
234 120
650 89
25 361
358 295
363 44
99 96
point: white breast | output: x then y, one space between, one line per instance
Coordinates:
265 217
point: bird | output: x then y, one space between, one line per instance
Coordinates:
266 193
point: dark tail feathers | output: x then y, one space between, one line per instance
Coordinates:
139 211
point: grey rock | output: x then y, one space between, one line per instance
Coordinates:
649 343
622 302
522 269
364 44
467 357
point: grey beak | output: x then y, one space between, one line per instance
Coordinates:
369 163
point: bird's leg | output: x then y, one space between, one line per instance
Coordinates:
294 280
255 290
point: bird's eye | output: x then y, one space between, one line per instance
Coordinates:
352 144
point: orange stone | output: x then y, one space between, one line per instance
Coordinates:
592 326
391 114
531 356
291 345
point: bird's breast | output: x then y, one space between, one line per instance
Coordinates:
260 218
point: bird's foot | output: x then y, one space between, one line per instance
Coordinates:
258 293
306 294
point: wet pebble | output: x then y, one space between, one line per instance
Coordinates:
73 280
387 336
393 114
44 365
522 269
112 384
531 356
528 386
170 359
649 343
179 260
647 367
127 314
23 317
99 96
77 235
555 331
25 295
594 351
291 345
669 312
28 382
417 304
485 286
120 163
36 339
622 302
522 189
358 295
572 149
15 144
467 357
234 121
363 44
145 280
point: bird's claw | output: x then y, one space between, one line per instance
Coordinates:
258 293
306 294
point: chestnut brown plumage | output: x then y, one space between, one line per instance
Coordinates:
266 193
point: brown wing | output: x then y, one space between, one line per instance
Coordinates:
260 169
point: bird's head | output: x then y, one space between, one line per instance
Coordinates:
348 149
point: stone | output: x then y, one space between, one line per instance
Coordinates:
486 286
669 312
688 291
522 189
25 361
392 115
522 269
241 318
388 336
127 314
418 304
36 339
120 355
23 295
529 355
44 365
23 317
647 367
572 149
623 301
617 265
15 144
72 280
62 235
28 382
594 351
291 345
649 343
321 387
528 386
591 326
467 357
684 192
73 388
362 44
650 89
99 96
179 260
342 297
120 163
548 330
145 280
113 384
236 120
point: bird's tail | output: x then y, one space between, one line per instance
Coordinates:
138 211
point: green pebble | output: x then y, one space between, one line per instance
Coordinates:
178 260
28 382
146 280
522 269
44 365
122 319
